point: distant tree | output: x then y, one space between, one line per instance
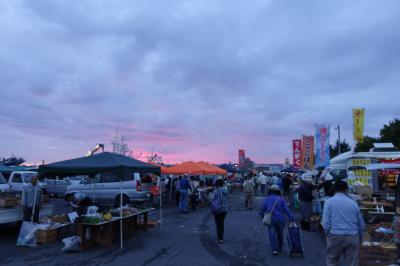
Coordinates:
391 133
367 144
344 146
12 161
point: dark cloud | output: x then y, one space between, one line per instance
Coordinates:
196 79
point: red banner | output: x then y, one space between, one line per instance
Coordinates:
296 153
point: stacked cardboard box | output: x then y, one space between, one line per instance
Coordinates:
45 236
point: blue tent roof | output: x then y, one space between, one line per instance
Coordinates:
8 169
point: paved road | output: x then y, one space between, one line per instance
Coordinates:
185 239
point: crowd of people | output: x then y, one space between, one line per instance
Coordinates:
342 221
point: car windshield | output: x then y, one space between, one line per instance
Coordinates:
28 177
2 179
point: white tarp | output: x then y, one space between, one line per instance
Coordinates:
344 157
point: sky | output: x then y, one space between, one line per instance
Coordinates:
196 80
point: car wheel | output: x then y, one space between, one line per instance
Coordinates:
125 200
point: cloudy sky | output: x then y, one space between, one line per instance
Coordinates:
195 79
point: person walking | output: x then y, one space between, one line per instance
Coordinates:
177 190
184 187
263 183
194 196
306 197
220 208
343 225
286 184
256 184
30 205
277 206
248 187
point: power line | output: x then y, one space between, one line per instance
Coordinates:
385 106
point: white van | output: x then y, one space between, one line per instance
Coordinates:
105 188
4 186
18 179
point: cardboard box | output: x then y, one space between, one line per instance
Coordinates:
61 219
46 236
8 202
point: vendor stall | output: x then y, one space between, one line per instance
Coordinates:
92 165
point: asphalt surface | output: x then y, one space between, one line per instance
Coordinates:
184 239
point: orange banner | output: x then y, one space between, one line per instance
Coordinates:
307 153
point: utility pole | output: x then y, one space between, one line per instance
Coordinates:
338 146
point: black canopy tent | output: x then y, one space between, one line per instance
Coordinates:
92 165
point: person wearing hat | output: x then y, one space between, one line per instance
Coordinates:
277 206
31 200
306 197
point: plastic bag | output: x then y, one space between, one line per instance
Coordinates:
92 211
71 244
27 234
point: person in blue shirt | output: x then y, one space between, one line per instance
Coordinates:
343 225
184 187
277 204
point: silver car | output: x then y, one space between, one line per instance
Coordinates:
56 188
105 188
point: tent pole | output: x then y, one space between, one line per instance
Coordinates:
161 197
120 214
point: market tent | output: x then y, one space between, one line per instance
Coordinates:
164 169
217 170
339 161
90 165
9 169
189 168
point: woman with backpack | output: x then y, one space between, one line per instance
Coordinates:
275 207
219 207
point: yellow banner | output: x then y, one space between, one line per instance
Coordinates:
358 120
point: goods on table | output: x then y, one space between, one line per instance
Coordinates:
91 219
107 216
126 211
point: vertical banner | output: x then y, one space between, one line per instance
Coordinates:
322 140
358 122
296 153
241 158
307 153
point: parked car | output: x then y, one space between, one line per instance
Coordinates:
105 188
18 179
4 186
75 179
56 188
